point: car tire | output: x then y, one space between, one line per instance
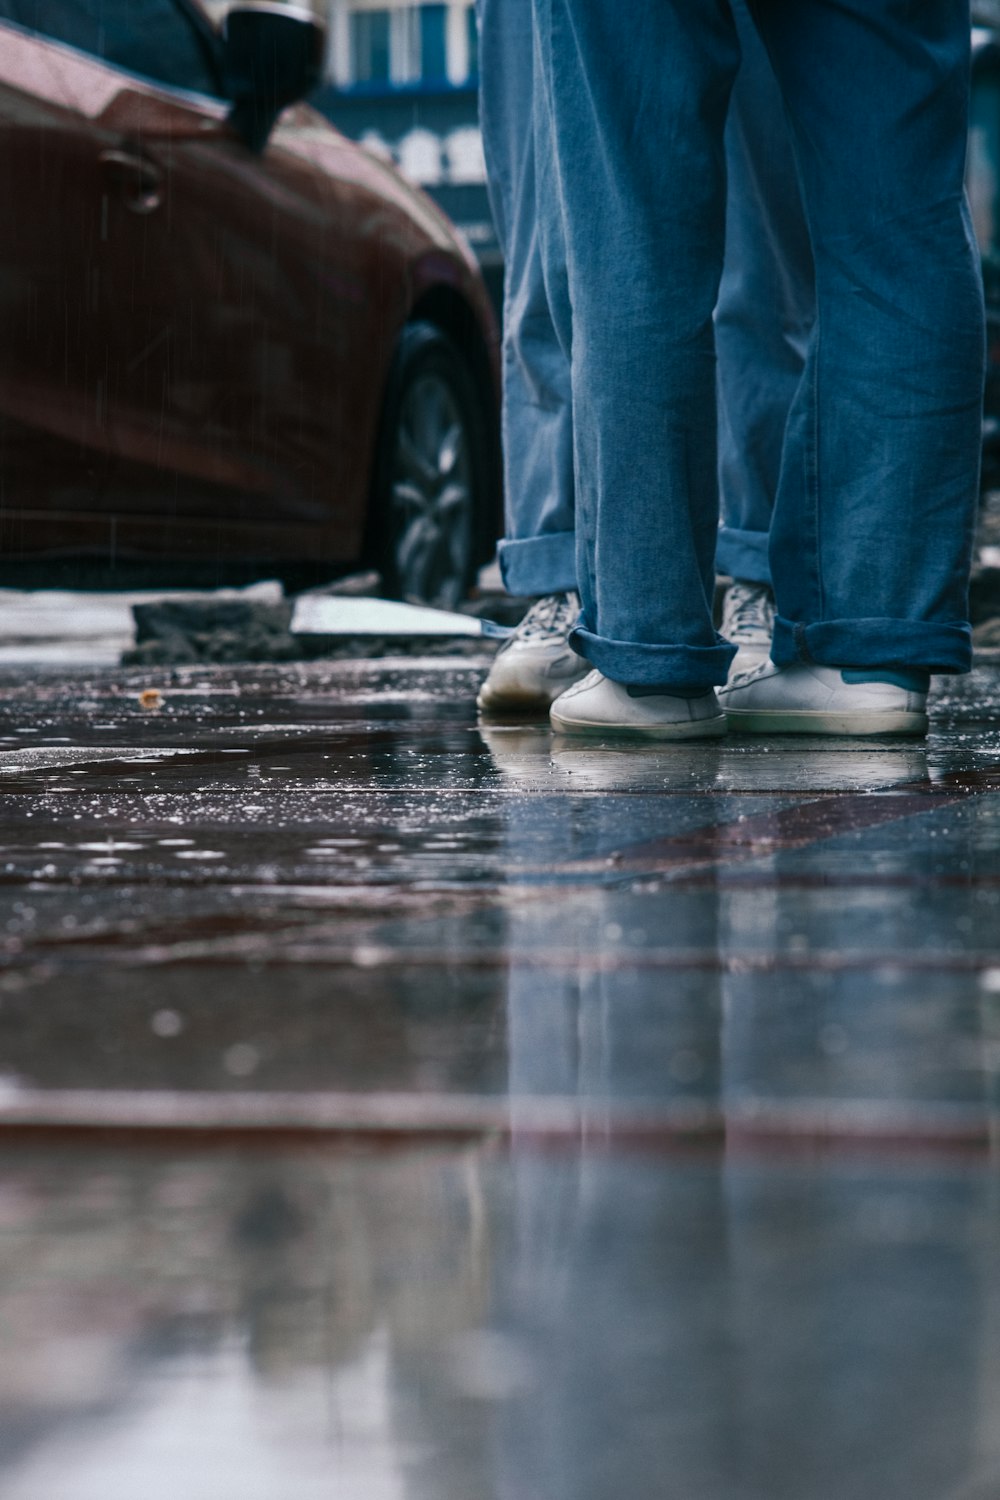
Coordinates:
431 490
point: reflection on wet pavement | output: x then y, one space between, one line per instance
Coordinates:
391 1107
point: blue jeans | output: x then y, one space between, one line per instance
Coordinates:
763 317
871 536
765 310
538 553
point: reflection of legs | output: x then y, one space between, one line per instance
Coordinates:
614 1291
618 1298
856 1308
855 1298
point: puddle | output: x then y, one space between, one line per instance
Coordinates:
13 763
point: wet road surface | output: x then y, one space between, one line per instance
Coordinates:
392 1108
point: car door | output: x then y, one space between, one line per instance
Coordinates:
54 442
206 278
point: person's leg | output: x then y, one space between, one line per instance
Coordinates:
638 99
871 537
762 321
765 309
537 555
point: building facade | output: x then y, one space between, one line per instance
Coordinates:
380 46
402 78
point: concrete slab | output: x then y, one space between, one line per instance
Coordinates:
69 627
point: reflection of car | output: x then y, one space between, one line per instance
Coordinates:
218 341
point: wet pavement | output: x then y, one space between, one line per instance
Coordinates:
394 1109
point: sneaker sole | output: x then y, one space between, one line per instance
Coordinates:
515 698
688 729
815 721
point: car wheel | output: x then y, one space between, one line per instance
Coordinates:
431 466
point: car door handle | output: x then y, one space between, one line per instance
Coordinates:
137 179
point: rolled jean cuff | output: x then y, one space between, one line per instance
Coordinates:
539 564
926 645
743 554
641 665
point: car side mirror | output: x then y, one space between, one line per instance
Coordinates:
272 57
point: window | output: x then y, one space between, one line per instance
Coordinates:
473 34
405 44
433 49
370 46
158 39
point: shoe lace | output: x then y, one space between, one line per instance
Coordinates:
740 679
550 618
748 612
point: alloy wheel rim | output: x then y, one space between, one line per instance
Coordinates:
431 495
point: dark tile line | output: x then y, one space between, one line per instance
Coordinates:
368 955
757 1127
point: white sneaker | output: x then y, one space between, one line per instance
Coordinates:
599 706
803 699
536 664
748 623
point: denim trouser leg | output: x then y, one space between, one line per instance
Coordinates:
872 530
538 553
638 97
765 309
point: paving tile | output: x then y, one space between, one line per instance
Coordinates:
393 1107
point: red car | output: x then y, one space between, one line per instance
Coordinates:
227 334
